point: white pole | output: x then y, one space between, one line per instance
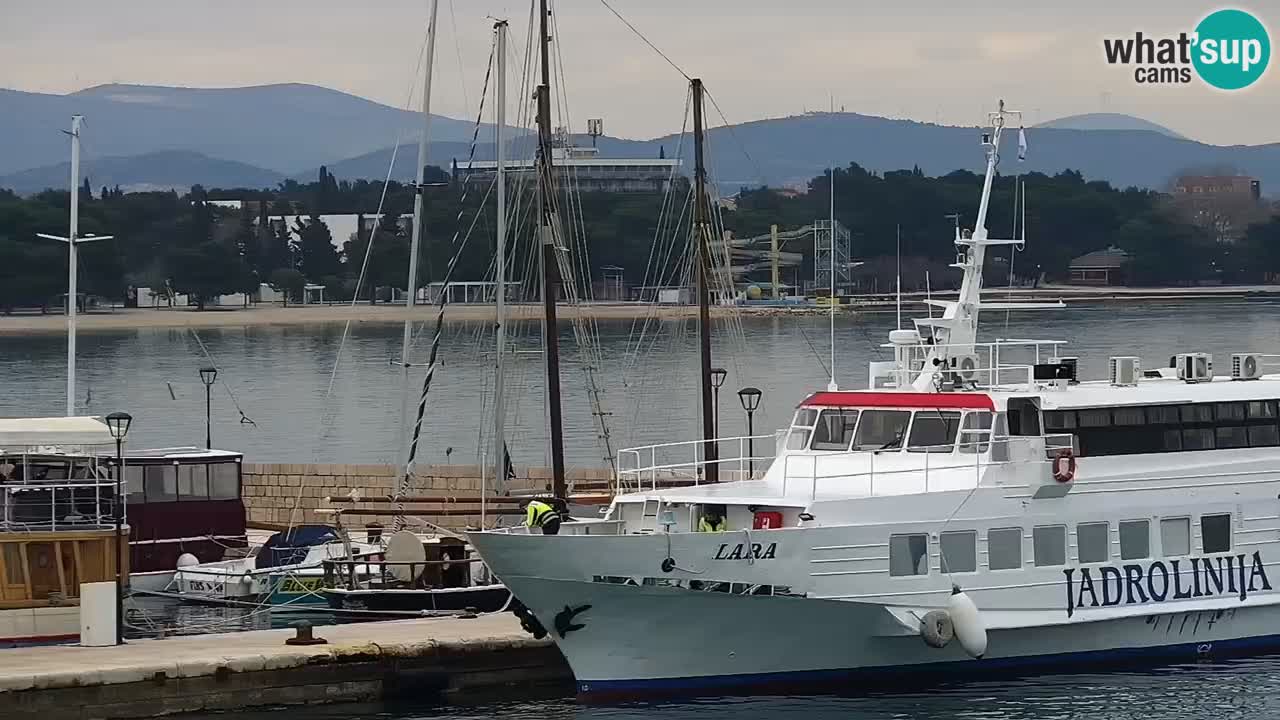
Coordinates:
898 278
832 385
500 272
71 264
416 241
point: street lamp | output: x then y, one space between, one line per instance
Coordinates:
207 376
118 423
750 399
718 376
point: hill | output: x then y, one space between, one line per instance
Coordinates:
284 128
164 170
1108 121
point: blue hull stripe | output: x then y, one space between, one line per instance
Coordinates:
764 683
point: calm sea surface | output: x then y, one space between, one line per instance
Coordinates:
283 378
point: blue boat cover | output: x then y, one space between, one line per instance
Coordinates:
290 547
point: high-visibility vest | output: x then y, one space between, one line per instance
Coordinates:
705 525
538 513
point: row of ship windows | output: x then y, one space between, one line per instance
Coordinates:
930 431
958 553
1169 428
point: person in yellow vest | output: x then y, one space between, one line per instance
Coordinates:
540 514
712 519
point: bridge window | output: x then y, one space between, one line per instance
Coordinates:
1135 539
881 429
975 435
801 429
1049 543
1092 542
908 555
834 430
1175 537
959 551
934 431
1215 533
1004 549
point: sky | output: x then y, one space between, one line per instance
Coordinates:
929 60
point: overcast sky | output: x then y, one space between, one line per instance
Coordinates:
923 59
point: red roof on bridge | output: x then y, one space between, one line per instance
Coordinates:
867 398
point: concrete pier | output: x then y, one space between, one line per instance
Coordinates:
421 659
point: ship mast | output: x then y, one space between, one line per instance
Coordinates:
550 266
500 260
702 235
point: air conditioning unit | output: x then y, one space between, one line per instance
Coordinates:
1194 367
966 367
1073 367
1125 371
1246 366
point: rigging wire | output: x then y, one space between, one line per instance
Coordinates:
645 40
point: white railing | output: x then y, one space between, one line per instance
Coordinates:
683 463
990 373
62 505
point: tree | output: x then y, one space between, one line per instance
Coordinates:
206 271
315 251
289 281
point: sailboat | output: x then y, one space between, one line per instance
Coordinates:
979 509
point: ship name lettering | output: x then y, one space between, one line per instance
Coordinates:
1159 581
745 551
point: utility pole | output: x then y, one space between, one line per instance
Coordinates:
550 266
702 235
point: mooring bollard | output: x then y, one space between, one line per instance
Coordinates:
303 635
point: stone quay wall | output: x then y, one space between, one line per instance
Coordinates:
285 494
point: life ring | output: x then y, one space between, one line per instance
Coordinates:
1064 466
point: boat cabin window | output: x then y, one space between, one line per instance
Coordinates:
133 484
1004 549
1049 545
161 483
224 481
834 430
801 429
881 429
1135 539
1135 430
1215 533
975 435
934 431
908 555
1175 537
186 481
958 551
193 482
1092 542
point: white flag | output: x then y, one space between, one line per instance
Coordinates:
1022 144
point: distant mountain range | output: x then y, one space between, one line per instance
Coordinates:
143 137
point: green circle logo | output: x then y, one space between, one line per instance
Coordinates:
1231 49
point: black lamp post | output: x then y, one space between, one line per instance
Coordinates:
717 379
118 423
750 399
207 376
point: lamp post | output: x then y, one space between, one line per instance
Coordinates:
118 423
750 399
207 376
718 376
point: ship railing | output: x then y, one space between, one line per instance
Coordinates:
78 504
941 467
348 573
992 371
676 464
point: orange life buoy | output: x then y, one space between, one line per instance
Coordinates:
1064 466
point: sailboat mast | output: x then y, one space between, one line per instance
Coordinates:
831 385
72 261
416 241
711 452
500 258
550 266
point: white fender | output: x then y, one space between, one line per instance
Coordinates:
969 627
187 560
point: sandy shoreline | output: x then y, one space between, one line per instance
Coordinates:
266 315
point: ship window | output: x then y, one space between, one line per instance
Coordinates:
1049 544
1135 539
1129 416
881 429
224 481
1100 417
1060 420
1232 436
133 484
1175 537
1172 440
797 439
1004 549
975 433
834 430
1162 415
1197 413
1260 409
908 555
1230 411
1197 439
805 417
193 482
1215 533
1091 542
161 483
1264 436
934 432
959 551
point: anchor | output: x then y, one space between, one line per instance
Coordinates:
564 619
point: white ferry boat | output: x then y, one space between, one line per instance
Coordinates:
977 510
